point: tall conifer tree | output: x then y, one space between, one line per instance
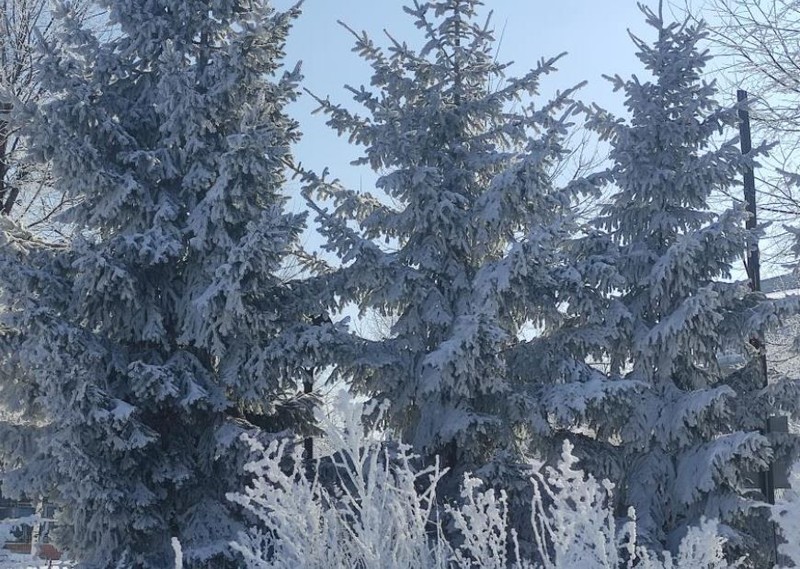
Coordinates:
148 344
461 247
692 435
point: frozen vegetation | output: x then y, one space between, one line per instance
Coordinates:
374 509
569 375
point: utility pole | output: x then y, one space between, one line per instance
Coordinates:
308 442
5 151
309 377
753 260
776 476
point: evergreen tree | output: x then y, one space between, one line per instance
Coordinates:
26 192
685 449
461 247
144 348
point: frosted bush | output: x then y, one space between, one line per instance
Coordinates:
701 547
482 521
377 511
578 524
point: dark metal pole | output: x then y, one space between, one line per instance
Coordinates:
308 443
753 267
5 133
309 375
753 262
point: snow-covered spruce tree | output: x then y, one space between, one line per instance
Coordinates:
149 344
461 246
686 445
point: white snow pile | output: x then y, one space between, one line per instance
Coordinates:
22 561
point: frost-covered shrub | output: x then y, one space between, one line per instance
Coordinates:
378 511
701 547
578 528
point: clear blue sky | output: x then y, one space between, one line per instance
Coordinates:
594 33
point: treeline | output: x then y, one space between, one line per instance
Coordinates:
169 325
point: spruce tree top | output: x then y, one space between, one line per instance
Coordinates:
687 443
460 245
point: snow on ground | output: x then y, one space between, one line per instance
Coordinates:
11 561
